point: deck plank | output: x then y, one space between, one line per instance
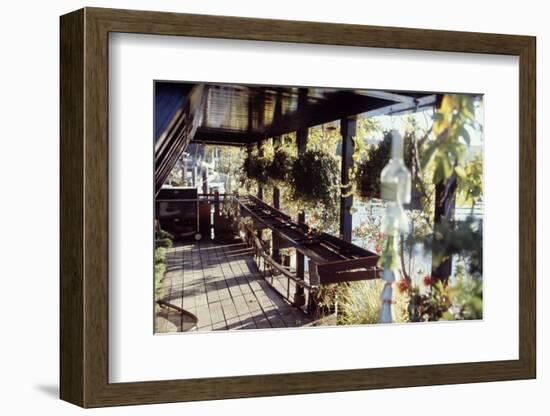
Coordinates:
223 287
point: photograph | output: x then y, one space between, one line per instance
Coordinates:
233 182
280 206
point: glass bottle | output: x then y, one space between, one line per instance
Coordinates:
395 182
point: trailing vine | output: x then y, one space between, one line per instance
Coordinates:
315 178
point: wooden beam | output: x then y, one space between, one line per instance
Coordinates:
276 201
204 179
248 155
301 142
277 143
421 103
211 135
368 262
389 96
260 147
348 128
337 105
352 276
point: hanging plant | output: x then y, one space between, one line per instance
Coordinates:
280 167
368 173
255 168
315 178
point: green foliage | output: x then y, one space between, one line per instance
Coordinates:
359 303
315 178
280 168
430 305
229 159
160 270
163 241
369 232
467 296
366 127
255 168
446 154
378 155
470 184
368 176
160 234
461 301
463 238
325 138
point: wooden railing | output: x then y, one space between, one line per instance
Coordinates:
332 260
270 269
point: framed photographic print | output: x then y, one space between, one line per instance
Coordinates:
256 207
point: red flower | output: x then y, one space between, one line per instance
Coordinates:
428 281
403 285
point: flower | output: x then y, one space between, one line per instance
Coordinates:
428 281
403 285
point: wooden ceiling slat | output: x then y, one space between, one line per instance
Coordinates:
238 115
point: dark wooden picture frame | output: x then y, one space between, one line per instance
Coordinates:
84 207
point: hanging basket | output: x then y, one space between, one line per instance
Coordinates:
280 168
315 178
255 168
368 175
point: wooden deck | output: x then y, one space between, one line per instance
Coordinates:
221 285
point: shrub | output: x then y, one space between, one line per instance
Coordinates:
161 234
360 303
163 241
160 270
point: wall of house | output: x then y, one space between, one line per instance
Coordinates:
29 157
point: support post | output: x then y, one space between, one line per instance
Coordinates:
205 179
276 204
348 128
183 169
301 142
248 155
260 154
216 203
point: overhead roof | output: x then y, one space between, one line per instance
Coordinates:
241 114
236 114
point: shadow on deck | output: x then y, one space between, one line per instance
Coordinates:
221 285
